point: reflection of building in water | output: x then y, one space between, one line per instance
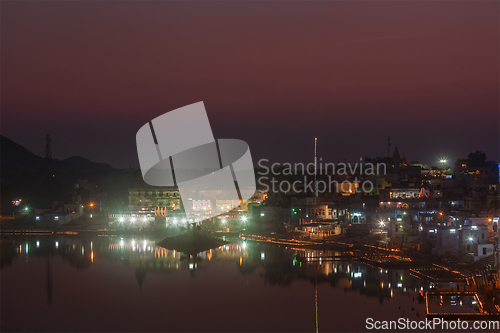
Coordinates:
276 265
332 267
144 257
77 251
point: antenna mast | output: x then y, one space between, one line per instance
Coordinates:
315 169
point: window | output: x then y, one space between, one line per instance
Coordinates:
484 250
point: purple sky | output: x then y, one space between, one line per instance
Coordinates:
275 74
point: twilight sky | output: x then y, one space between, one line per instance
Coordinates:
275 74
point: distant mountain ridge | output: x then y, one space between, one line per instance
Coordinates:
17 159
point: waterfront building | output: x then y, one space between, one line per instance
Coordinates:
150 197
59 214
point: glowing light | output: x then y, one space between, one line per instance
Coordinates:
244 245
121 219
90 215
357 274
132 219
223 220
244 219
91 256
471 239
184 221
26 248
57 244
37 244
145 219
262 256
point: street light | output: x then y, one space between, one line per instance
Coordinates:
244 218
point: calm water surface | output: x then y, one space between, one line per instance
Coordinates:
65 283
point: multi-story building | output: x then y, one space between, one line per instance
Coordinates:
151 197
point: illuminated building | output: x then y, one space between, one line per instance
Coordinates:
151 197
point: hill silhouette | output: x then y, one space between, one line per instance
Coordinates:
17 159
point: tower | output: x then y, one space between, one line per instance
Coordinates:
315 169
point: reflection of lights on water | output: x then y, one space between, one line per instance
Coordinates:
262 256
91 256
400 285
83 250
121 219
57 244
244 245
191 266
357 274
91 245
121 242
26 248
37 243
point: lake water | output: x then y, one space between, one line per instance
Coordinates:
91 283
